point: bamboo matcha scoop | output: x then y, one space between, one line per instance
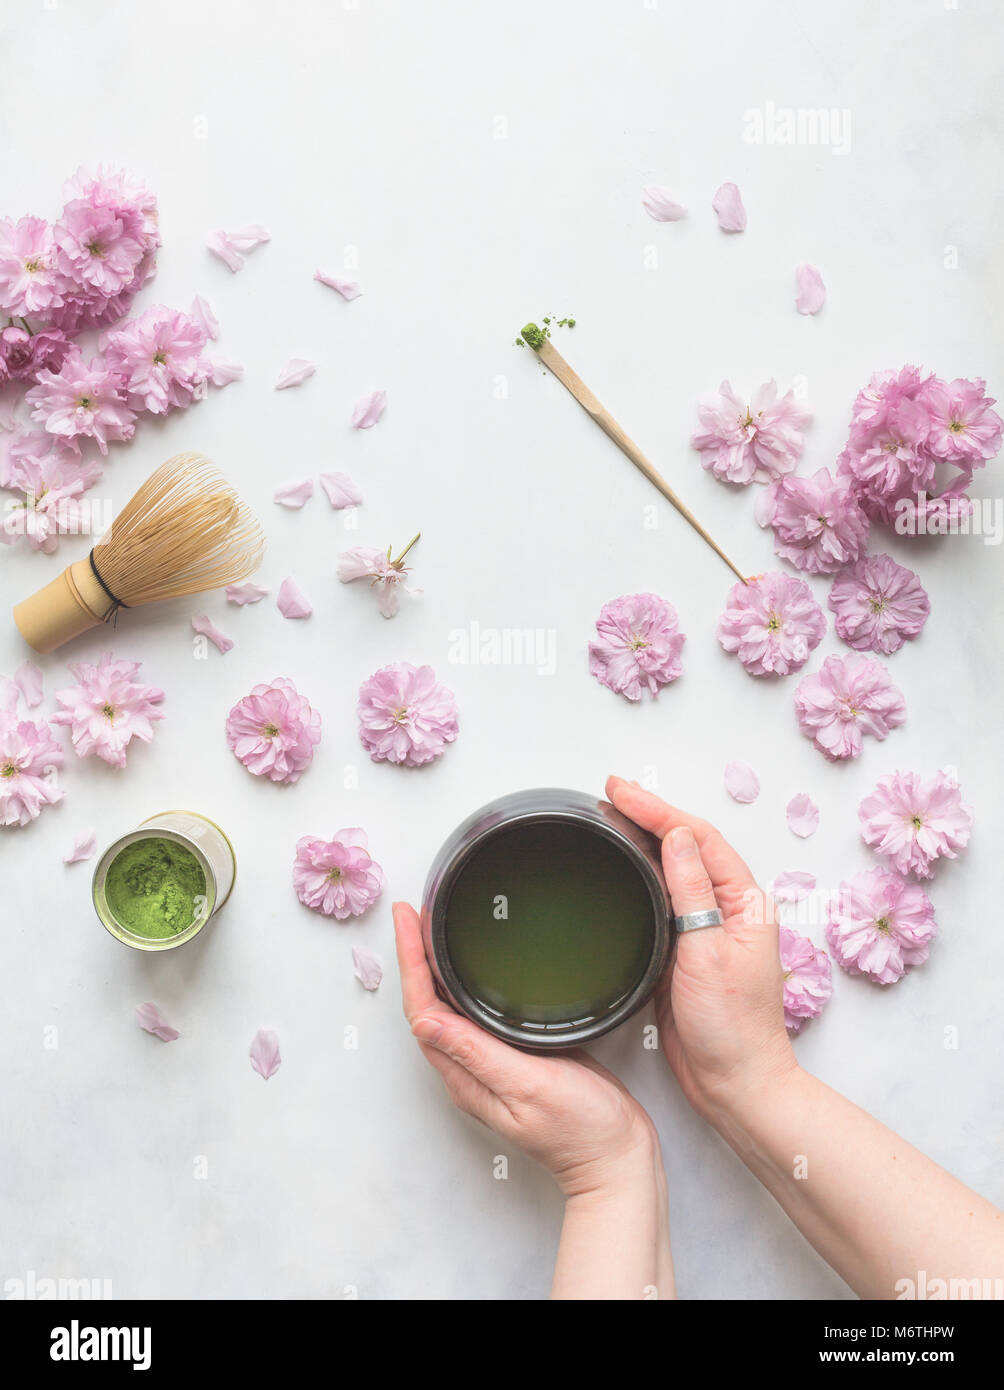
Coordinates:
535 338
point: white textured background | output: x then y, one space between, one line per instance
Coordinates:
486 160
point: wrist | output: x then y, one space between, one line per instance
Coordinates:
631 1167
737 1102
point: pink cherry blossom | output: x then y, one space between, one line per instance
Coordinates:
879 925
807 976
348 289
29 759
231 247
802 815
913 823
659 205
792 886
242 594
728 205
810 291
341 491
772 623
291 601
160 357
848 697
151 1020
127 195
369 410
638 647
29 280
405 715
337 876
81 401
98 248
107 708
818 523
205 628
878 604
741 782
294 495
273 731
296 371
83 848
741 442
386 576
23 355
264 1053
963 428
51 486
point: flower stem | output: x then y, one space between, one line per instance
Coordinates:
404 552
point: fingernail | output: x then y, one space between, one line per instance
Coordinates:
635 784
681 841
614 778
427 1030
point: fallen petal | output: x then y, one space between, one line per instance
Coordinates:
9 695
205 318
369 971
342 491
659 205
291 600
150 1018
295 372
348 289
247 592
792 887
230 245
728 204
83 847
368 411
207 629
803 815
293 495
222 371
28 679
264 1053
741 782
810 291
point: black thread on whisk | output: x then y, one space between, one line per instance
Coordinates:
112 616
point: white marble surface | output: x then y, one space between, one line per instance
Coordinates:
487 162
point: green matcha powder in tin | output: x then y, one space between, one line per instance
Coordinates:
155 887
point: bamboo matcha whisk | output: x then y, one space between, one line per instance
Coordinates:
184 531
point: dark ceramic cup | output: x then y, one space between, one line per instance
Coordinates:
555 806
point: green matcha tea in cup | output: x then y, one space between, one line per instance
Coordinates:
158 886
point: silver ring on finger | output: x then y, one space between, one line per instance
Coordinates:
694 921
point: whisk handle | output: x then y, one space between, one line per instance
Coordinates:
71 604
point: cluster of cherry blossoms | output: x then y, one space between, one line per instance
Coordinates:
58 281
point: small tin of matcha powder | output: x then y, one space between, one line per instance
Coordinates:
157 887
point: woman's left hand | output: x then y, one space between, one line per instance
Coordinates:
567 1111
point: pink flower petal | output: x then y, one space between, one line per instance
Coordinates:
291 600
348 289
206 629
150 1018
222 371
9 695
369 971
659 205
803 816
295 372
294 495
264 1054
810 291
232 246
368 410
247 592
83 847
205 318
792 887
28 679
741 782
728 204
342 491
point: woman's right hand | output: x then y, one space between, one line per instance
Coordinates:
721 1019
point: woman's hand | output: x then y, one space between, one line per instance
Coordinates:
567 1111
721 1020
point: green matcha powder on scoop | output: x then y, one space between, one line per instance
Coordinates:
155 888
